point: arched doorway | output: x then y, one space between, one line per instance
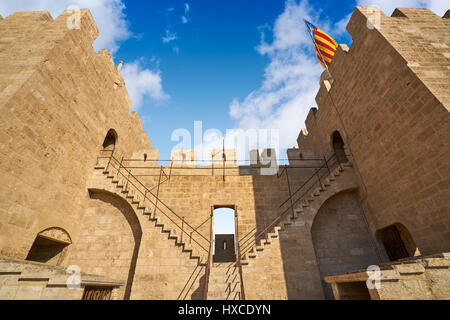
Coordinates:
224 249
397 242
341 239
110 140
339 147
109 240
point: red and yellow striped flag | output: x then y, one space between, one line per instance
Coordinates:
324 45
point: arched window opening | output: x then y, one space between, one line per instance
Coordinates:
339 147
224 235
50 246
397 242
110 140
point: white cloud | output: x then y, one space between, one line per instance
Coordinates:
168 12
388 6
291 79
108 14
341 25
170 36
185 18
110 18
143 83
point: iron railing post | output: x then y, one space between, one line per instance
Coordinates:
109 161
326 163
318 178
290 194
157 192
265 228
182 229
120 166
236 215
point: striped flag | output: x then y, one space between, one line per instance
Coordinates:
324 45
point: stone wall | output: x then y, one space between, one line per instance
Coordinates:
109 241
25 280
418 278
341 238
58 98
56 113
388 98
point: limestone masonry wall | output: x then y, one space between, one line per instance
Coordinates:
391 93
66 110
58 100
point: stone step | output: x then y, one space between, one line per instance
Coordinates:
220 283
348 164
138 199
159 222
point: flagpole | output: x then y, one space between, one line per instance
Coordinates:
316 47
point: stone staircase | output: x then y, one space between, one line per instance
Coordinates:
118 185
299 210
224 282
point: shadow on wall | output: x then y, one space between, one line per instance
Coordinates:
105 238
341 238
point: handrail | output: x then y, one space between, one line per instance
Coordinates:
247 244
130 176
160 200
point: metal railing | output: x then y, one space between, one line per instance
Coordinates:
316 180
245 244
118 169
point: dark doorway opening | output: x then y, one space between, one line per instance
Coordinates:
397 242
339 147
110 140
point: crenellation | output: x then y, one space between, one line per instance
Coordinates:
81 184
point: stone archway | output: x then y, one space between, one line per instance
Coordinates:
339 147
341 239
110 140
50 246
110 239
397 242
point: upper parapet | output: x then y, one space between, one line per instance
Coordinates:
417 39
80 20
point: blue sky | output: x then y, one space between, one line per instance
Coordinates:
245 64
212 61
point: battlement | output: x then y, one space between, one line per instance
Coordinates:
70 20
34 36
411 40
